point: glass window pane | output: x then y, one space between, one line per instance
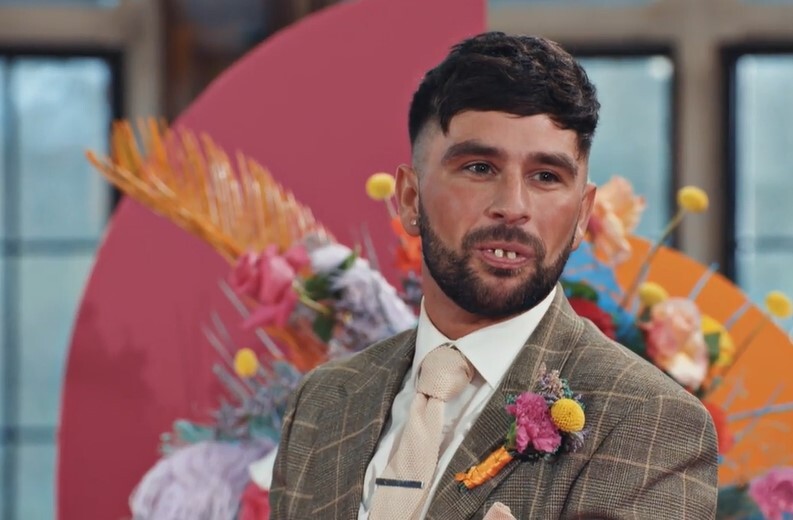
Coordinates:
36 481
4 492
88 3
62 107
760 273
47 316
633 135
3 137
764 147
4 344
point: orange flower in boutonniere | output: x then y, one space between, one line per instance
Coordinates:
546 423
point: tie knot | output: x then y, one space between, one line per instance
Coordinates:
444 373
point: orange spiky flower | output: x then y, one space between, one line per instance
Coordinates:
190 181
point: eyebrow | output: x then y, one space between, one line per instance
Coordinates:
558 159
477 148
470 147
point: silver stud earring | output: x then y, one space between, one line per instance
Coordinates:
413 222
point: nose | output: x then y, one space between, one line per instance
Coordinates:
510 201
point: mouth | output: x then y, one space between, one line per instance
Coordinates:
505 255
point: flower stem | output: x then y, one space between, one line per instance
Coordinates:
390 207
645 266
308 302
316 306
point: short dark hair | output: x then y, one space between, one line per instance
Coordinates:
520 75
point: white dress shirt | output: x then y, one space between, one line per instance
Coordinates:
491 350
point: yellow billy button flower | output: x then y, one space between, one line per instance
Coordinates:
778 305
568 415
380 186
726 344
692 199
245 363
650 293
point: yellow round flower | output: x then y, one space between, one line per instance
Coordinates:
380 186
692 199
778 305
726 344
245 363
568 415
650 293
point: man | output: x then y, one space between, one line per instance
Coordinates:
498 192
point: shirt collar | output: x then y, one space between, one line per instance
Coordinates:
505 339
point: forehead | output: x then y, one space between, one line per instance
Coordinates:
515 135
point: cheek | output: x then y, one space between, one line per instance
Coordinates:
559 224
450 213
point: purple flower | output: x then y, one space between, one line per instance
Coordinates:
773 492
533 424
202 481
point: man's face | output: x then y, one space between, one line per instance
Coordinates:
500 200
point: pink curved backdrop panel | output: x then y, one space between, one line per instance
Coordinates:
322 104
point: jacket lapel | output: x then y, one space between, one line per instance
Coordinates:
551 344
353 427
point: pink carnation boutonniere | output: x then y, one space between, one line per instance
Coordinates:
546 422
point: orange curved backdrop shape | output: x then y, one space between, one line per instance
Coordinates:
323 105
764 372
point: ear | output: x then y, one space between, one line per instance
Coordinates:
407 197
587 203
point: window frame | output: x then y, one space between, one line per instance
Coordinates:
129 38
729 58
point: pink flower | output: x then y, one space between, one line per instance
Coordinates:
773 492
533 424
675 342
267 278
614 216
245 279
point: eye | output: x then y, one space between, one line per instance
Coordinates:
479 168
547 177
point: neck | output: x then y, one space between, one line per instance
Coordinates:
448 317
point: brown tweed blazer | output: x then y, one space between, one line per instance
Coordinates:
651 451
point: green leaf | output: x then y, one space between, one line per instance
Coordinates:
323 326
263 428
510 440
579 290
192 433
735 502
712 341
634 340
317 287
349 261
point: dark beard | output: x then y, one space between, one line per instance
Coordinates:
453 273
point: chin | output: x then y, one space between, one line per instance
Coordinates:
520 275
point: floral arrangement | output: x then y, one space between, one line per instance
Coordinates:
674 332
309 299
306 297
546 423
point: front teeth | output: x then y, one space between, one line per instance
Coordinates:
500 253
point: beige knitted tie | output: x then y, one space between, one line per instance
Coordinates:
405 483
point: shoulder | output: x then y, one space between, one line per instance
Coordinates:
619 386
336 377
608 366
